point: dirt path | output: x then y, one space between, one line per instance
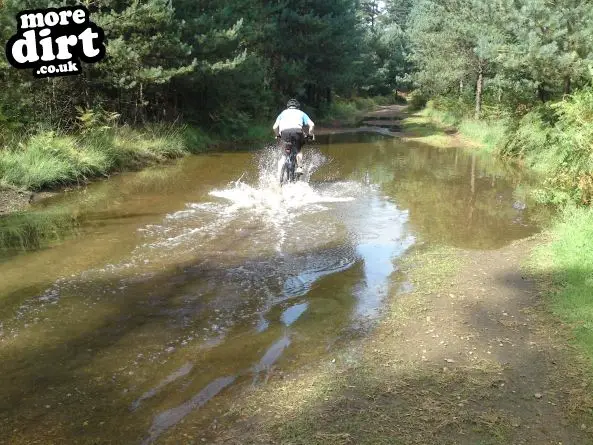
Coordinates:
514 377
469 356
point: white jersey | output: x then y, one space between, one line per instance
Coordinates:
292 118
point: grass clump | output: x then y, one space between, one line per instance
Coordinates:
566 263
31 230
196 140
489 133
48 159
131 148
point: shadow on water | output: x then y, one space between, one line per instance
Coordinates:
77 379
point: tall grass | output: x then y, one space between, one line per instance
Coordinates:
31 230
567 264
50 158
489 133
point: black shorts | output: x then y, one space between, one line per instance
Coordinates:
293 137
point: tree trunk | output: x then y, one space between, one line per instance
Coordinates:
567 85
541 93
479 88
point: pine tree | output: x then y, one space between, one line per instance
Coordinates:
453 42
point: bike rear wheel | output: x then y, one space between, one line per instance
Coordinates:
283 175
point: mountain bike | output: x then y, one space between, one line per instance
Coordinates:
288 172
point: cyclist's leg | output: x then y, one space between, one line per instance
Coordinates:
283 144
299 157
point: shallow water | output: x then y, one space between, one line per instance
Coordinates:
180 283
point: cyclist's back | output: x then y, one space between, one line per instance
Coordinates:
290 126
292 119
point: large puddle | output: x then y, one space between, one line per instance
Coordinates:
180 283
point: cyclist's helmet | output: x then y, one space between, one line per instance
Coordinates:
293 103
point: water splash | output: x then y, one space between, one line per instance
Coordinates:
263 202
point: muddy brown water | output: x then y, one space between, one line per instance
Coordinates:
183 282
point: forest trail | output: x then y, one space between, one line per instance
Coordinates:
468 355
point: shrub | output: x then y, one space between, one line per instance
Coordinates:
364 103
195 139
557 140
531 134
417 100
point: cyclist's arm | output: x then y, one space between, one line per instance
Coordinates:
308 123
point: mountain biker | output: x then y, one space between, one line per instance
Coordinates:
290 126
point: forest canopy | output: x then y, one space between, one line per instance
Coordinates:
227 62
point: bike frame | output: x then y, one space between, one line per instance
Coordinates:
289 166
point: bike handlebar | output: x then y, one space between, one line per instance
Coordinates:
308 137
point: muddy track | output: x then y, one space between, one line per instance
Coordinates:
386 120
470 356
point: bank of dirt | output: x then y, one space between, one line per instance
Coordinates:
469 355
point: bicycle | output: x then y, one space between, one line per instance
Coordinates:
287 173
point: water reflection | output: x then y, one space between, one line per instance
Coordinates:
171 417
453 197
